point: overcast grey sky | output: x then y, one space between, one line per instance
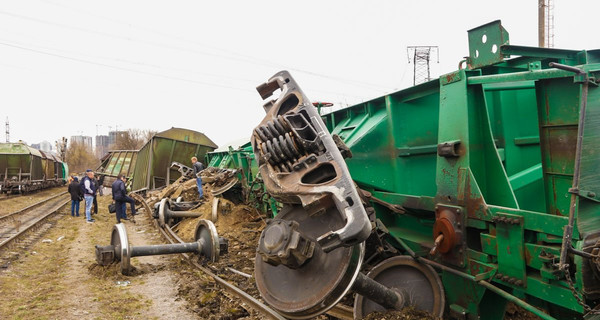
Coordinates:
81 67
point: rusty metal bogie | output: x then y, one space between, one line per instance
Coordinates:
301 163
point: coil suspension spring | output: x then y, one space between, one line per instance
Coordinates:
278 144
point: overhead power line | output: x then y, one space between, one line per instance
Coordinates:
245 59
123 68
81 60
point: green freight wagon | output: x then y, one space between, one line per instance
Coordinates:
484 158
482 187
24 169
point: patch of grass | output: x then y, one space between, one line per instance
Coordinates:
31 288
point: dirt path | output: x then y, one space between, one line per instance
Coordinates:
59 279
157 281
78 297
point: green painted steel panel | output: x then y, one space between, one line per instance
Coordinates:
511 248
141 171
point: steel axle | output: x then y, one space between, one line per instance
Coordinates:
165 214
378 293
207 244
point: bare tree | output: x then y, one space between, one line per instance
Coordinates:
80 157
132 139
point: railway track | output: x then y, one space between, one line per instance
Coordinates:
15 224
172 237
340 311
4 197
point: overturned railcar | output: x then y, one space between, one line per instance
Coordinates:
481 186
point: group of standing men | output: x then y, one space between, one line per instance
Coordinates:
86 189
89 186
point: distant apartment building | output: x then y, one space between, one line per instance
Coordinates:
102 145
113 136
85 140
45 146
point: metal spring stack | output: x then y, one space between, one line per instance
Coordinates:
277 144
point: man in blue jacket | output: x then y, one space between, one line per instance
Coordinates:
89 190
119 194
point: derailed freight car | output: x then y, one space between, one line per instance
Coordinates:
24 169
478 188
150 167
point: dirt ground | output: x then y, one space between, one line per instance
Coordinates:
57 278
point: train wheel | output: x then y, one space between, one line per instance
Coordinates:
320 283
418 281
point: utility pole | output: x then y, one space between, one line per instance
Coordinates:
61 148
545 23
420 56
7 131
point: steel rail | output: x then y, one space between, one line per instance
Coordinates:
8 215
36 222
250 300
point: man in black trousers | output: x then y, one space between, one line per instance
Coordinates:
119 194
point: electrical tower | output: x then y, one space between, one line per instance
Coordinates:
420 56
546 23
7 131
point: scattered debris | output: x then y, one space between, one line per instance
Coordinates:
122 283
60 238
47 241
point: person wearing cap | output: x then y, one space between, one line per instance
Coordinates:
76 196
89 190
198 166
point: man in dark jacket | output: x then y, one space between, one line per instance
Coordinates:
198 166
95 203
76 196
119 194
